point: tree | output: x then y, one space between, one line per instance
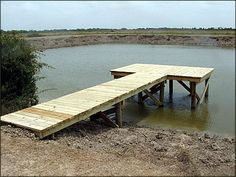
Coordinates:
19 73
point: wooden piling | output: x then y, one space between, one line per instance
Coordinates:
140 98
162 85
53 136
207 90
170 89
193 94
119 115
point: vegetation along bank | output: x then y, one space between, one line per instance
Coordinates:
48 42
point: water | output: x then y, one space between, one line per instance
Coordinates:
77 68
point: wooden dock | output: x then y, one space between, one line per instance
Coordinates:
182 74
142 79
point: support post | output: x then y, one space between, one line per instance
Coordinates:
140 98
207 90
170 89
162 85
53 136
119 115
193 94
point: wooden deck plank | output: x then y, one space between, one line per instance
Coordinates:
181 72
24 122
34 120
105 105
42 112
56 109
41 118
76 104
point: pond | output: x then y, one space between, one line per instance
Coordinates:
77 68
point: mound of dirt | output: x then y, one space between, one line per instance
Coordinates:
49 42
91 148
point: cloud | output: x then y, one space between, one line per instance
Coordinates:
114 14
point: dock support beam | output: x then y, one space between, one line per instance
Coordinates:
140 98
153 90
119 114
106 119
156 101
162 86
170 89
193 94
207 90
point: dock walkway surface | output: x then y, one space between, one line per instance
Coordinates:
49 117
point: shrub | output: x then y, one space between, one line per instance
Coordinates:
19 73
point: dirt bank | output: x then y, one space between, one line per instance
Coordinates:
91 148
77 40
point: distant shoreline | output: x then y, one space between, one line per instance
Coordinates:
59 41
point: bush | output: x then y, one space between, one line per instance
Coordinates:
19 69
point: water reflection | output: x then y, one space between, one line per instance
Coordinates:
177 113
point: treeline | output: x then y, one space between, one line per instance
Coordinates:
114 30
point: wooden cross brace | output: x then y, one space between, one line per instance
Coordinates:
205 91
104 116
153 90
193 93
156 101
189 89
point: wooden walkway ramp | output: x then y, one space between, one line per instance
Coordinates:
52 116
49 117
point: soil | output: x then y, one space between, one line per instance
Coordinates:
92 148
49 42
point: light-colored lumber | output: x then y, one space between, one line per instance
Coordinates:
119 114
204 92
193 94
184 73
188 89
207 90
140 98
162 86
107 120
156 101
171 88
52 116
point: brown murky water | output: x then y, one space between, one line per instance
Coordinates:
77 68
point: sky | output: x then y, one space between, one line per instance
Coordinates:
41 15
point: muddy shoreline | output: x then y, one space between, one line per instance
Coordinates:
50 42
92 148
